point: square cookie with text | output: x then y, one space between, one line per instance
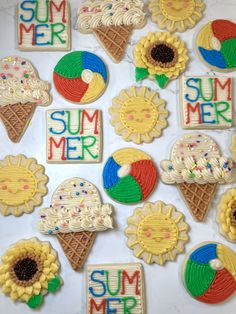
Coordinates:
74 136
44 25
206 102
115 288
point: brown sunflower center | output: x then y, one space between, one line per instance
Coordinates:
233 214
162 54
25 269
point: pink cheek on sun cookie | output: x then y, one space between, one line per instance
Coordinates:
26 187
130 117
148 116
4 187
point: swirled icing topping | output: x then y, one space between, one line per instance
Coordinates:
19 82
197 158
76 206
94 14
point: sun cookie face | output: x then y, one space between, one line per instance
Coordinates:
178 9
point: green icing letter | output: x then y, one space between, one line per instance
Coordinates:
85 147
56 29
118 284
132 303
219 112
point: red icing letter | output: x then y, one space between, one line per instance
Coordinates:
57 145
101 306
90 119
27 30
193 109
58 8
130 280
222 86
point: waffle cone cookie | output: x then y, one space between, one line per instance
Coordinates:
75 217
21 91
112 22
197 167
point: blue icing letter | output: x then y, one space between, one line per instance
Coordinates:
22 6
40 35
204 254
71 148
204 114
109 310
97 281
94 63
52 116
110 177
213 57
195 80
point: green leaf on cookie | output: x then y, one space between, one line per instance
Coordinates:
54 284
161 80
35 301
141 73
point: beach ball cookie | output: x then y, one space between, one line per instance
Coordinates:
161 56
28 271
129 176
157 232
216 45
176 15
197 166
226 216
21 92
209 272
138 114
80 77
23 184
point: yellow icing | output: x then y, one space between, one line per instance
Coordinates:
129 155
95 89
205 36
228 258
176 10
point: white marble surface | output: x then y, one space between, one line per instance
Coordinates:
164 290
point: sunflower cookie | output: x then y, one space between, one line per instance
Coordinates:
161 56
138 114
226 216
129 176
216 45
75 216
209 272
80 77
21 91
23 184
120 286
157 232
29 270
176 15
197 167
112 22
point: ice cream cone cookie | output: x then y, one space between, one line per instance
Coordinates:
129 176
197 167
226 216
80 77
157 232
112 22
138 115
176 15
75 216
21 91
216 45
28 271
23 184
209 272
160 56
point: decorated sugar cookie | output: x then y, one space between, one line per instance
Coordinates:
157 232
226 216
197 167
176 15
209 272
216 45
44 25
75 216
23 184
160 56
138 114
80 77
206 102
74 135
129 176
29 270
119 287
21 91
112 22
233 147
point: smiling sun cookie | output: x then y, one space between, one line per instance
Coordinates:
23 184
157 232
138 115
29 270
176 15
44 25
161 56
80 77
129 176
206 102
